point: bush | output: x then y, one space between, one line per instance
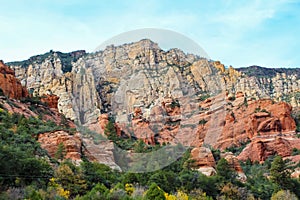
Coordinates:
155 193
284 195
202 122
295 152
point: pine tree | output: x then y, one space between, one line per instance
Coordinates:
110 131
155 193
224 170
279 173
60 152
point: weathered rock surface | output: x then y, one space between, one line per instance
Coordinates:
72 144
261 148
234 163
205 163
9 84
51 100
159 96
280 84
120 78
296 173
203 157
101 151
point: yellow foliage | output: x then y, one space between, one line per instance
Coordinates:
182 195
63 193
59 189
129 188
170 196
52 183
14 128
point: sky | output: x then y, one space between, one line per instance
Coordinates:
237 32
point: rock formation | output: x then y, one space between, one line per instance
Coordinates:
261 148
71 143
205 163
51 100
166 96
203 160
9 85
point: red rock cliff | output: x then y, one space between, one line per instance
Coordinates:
9 84
51 100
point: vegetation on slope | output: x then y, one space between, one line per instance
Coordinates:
27 172
65 58
263 72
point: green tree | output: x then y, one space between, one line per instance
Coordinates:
225 171
60 152
284 195
130 178
189 179
260 186
155 193
98 173
110 131
98 192
71 179
161 180
279 173
140 147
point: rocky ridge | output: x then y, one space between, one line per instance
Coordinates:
168 97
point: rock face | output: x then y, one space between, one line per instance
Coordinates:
9 84
261 148
280 84
203 157
120 78
51 100
72 144
102 152
205 163
234 163
259 118
238 121
164 96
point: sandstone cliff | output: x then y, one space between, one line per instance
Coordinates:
165 96
9 84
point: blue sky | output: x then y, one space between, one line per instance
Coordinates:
236 32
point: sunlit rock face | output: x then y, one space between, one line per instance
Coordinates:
9 84
164 97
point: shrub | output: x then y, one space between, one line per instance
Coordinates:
202 122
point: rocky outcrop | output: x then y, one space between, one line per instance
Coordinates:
296 173
202 157
137 74
204 162
234 163
261 148
51 100
100 151
240 120
9 84
71 144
